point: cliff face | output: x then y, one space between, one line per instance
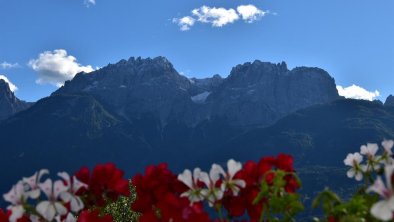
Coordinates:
205 85
9 103
261 92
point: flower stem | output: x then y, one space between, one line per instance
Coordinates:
262 215
219 210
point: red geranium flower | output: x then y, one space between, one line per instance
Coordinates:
331 219
158 197
3 216
285 162
93 216
253 173
291 184
151 187
105 180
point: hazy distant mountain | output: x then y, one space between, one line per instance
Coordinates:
9 103
322 134
319 137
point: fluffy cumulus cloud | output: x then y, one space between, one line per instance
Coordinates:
219 17
56 67
357 92
12 86
6 65
250 13
89 3
184 23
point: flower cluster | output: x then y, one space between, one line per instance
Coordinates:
212 187
159 199
380 170
69 199
53 200
104 195
266 172
239 190
373 162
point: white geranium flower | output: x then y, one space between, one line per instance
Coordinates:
353 160
17 197
73 185
33 183
233 167
35 218
194 193
212 193
52 207
383 209
388 145
69 218
370 151
387 154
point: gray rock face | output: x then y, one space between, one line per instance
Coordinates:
257 93
136 87
9 103
389 101
261 92
200 86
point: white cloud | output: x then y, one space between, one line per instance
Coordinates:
6 65
184 23
13 87
357 92
220 17
89 3
250 13
56 67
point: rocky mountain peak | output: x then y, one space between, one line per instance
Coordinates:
125 74
156 67
262 92
256 71
136 86
9 103
139 62
5 90
389 101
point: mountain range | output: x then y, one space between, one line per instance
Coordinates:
257 93
142 111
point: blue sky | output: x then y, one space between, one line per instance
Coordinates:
353 40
